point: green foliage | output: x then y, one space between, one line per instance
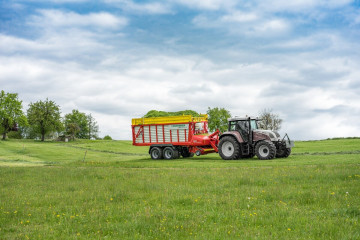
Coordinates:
118 192
93 127
218 119
76 124
155 113
107 137
11 113
270 120
14 135
44 117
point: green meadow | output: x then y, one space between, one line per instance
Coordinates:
113 190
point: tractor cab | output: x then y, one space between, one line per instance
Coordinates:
244 126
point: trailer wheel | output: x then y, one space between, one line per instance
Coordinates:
156 153
265 150
170 153
229 148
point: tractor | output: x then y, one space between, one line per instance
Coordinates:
244 139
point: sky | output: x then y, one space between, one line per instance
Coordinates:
118 59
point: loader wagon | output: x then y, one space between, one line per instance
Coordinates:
170 137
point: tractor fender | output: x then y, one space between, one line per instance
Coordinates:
234 134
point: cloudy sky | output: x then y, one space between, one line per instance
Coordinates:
118 59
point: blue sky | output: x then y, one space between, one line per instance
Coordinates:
118 59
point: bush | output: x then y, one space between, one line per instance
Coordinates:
107 137
14 135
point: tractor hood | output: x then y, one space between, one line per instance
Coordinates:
274 136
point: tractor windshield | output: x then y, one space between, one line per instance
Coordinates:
253 124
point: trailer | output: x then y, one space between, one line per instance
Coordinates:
170 137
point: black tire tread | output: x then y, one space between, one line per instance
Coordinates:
271 146
237 150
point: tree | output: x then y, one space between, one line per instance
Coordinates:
87 126
44 117
80 119
92 127
73 129
218 119
270 120
107 137
11 113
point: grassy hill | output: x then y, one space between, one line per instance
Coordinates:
51 190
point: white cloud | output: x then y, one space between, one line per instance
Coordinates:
241 17
57 18
300 5
147 8
208 4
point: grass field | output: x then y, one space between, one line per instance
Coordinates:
51 190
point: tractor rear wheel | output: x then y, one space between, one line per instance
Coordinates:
229 148
156 153
265 150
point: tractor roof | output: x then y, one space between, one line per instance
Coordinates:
241 118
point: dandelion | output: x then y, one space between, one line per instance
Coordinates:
111 199
289 229
58 215
78 234
333 193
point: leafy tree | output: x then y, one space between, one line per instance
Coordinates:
107 137
73 129
87 126
44 117
270 120
218 119
155 113
92 127
11 112
80 119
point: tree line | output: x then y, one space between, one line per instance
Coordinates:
43 118
218 118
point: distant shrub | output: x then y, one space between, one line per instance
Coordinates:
14 135
107 137
155 113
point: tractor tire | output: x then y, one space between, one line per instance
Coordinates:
186 154
229 148
283 152
170 153
265 150
156 153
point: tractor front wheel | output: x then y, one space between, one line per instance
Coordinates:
283 152
229 148
265 150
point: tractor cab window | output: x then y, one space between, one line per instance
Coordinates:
232 126
253 124
243 126
243 129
